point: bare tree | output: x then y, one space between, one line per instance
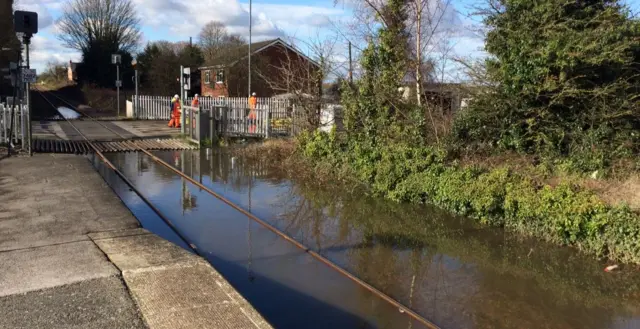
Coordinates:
214 37
302 80
113 24
427 25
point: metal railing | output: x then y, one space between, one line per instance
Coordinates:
20 119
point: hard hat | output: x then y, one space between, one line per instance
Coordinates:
253 94
176 96
196 95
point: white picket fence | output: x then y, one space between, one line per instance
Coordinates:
20 120
159 107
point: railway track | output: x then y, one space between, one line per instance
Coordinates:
401 307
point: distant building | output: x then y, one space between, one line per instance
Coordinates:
72 74
226 75
449 97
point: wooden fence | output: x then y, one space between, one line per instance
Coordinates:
20 120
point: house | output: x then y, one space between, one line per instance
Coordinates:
72 74
227 74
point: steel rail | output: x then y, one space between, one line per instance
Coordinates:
125 179
411 313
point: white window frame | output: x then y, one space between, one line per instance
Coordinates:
220 72
207 76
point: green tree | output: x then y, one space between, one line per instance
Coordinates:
160 65
565 77
373 106
98 29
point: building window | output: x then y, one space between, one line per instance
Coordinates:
207 77
220 76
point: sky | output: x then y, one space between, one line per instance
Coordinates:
301 21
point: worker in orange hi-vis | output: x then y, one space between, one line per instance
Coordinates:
196 101
171 120
253 102
175 113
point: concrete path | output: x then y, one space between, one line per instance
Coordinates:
73 256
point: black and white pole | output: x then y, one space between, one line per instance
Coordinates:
27 42
117 59
118 87
136 103
181 100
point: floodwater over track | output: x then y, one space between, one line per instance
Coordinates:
449 270
68 113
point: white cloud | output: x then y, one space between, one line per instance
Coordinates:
47 49
184 18
45 19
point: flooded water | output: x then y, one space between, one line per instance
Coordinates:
68 113
449 270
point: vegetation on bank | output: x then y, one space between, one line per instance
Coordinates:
562 87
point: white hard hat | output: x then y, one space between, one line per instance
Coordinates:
253 94
176 96
196 95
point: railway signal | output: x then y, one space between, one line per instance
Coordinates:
12 71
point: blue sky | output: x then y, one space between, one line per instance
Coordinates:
174 20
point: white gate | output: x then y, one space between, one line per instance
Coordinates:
20 120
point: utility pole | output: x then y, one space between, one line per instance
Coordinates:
350 65
249 50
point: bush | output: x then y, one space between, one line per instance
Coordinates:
563 214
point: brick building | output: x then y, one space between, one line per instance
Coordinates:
273 63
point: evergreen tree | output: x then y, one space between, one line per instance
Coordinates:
373 104
565 74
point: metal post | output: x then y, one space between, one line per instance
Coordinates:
136 104
182 99
118 86
249 50
28 91
350 65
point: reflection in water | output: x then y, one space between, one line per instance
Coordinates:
448 269
68 113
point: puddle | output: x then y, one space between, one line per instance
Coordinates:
68 113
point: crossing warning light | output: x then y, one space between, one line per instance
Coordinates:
25 22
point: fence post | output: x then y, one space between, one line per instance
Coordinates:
267 125
3 127
23 125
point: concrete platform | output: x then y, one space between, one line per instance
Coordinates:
57 265
73 256
52 199
94 304
175 288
